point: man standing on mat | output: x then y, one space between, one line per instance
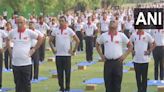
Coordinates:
89 31
158 54
113 56
141 54
21 54
35 56
44 29
63 36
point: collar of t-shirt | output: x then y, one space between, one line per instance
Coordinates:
41 23
22 30
112 34
62 28
8 30
89 23
140 33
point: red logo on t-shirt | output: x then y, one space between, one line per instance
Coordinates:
65 33
25 38
117 42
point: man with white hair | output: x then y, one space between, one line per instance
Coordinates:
21 54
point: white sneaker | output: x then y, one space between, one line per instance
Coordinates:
162 81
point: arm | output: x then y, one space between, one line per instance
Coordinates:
39 42
130 47
99 50
51 44
76 39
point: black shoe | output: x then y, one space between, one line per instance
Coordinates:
61 90
67 90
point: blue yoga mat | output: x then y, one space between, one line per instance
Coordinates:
125 71
85 63
97 80
39 80
6 89
76 90
7 70
129 64
94 81
152 83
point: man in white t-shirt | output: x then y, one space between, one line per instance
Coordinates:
21 54
141 52
104 26
3 35
43 28
89 32
78 29
113 56
35 56
63 37
158 54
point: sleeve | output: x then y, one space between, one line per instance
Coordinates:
150 39
84 27
47 27
10 35
40 34
33 35
99 39
95 27
125 39
72 33
4 34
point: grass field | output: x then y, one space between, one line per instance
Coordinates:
51 85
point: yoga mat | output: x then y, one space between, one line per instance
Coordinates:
6 89
85 63
39 80
153 83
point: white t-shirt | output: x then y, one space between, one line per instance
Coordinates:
78 26
3 35
42 28
129 26
3 23
34 41
113 48
158 36
63 40
22 45
11 43
104 25
69 19
89 29
140 46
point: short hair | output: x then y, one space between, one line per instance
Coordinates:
63 18
9 24
41 17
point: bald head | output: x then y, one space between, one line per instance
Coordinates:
21 22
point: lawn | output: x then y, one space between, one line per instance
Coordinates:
78 76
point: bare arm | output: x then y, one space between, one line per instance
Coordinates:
51 44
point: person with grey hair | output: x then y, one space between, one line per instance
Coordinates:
21 54
113 56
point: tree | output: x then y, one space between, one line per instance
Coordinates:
16 5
